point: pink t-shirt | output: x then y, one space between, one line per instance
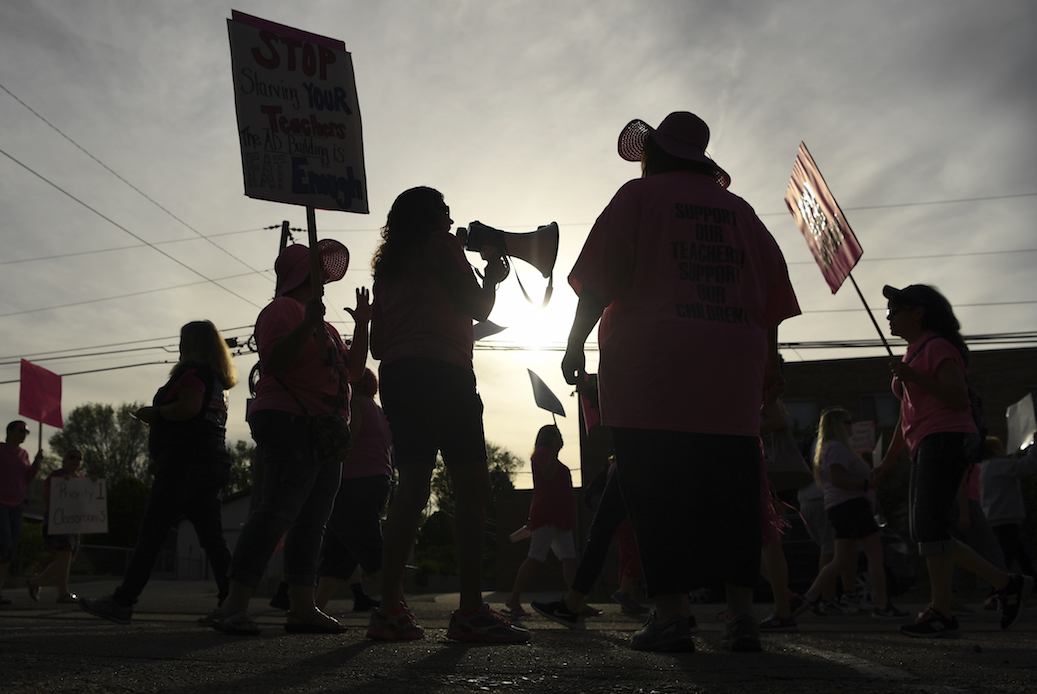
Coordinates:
15 474
554 502
321 387
692 281
922 413
836 453
418 310
370 454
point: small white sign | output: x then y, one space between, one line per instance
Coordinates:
78 506
863 437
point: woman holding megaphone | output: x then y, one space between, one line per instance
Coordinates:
425 297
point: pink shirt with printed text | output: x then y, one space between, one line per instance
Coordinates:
692 281
922 413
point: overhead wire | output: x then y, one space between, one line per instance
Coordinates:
133 187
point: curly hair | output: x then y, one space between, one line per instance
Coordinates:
412 218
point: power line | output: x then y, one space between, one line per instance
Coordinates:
137 293
119 226
135 188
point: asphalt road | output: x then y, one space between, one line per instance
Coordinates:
50 648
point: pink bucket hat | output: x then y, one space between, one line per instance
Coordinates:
681 134
293 264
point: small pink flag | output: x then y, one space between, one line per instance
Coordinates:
40 395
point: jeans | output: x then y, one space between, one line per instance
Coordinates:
354 532
297 498
609 515
936 471
176 493
10 528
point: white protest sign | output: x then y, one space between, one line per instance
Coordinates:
298 116
78 505
1021 424
862 438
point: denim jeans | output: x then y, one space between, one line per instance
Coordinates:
178 493
10 528
297 497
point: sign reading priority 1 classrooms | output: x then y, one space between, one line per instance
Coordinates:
298 116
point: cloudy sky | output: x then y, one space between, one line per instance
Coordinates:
122 197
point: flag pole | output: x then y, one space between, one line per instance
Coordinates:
870 315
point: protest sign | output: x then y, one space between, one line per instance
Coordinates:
298 116
39 396
78 505
821 221
545 399
1021 424
862 438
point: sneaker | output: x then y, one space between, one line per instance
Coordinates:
394 627
108 608
818 608
778 623
932 624
863 599
992 602
742 635
485 625
210 620
557 611
1012 598
629 605
671 635
890 611
840 606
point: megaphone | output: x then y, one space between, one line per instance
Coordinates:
538 248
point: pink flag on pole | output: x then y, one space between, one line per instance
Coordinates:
822 223
40 395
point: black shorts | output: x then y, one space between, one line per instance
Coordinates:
432 406
852 520
695 504
60 543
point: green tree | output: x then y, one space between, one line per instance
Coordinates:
242 454
114 442
435 542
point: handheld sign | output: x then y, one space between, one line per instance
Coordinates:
39 396
78 505
821 222
298 116
824 226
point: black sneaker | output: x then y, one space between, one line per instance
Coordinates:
932 624
671 635
557 611
1012 598
108 608
742 635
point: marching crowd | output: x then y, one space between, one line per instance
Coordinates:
687 288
